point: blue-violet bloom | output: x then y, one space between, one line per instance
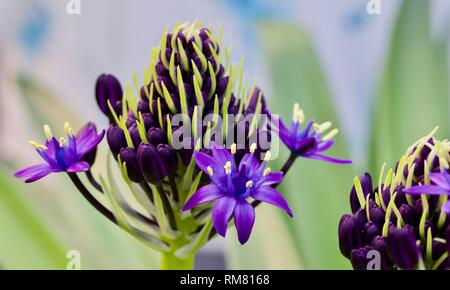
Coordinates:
307 142
62 155
233 185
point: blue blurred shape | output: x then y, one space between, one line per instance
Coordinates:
34 28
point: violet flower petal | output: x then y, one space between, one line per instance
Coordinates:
205 194
221 213
272 196
244 218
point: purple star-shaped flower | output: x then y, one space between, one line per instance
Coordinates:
440 186
232 186
308 142
61 155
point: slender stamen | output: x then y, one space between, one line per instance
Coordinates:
267 171
233 148
68 129
210 170
227 167
330 135
267 156
48 132
298 116
252 148
320 128
37 146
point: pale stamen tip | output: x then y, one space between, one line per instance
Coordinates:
249 184
233 148
210 170
252 148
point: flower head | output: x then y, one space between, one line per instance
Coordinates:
307 139
63 155
232 185
404 216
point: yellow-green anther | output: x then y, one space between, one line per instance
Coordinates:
216 57
197 73
409 180
113 113
267 171
442 215
172 68
183 56
194 123
168 99
37 146
267 156
198 145
169 130
439 261
227 167
201 56
252 148
126 132
207 137
387 181
330 135
212 75
48 132
359 191
233 148
163 48
150 98
367 207
377 199
429 249
388 215
153 71
210 170
141 131
393 184
249 184
161 124
216 111
255 120
182 92
175 36
62 141
423 219
198 93
68 129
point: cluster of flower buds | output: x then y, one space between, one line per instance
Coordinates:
397 225
186 77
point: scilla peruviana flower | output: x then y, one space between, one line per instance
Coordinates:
306 140
63 155
232 185
409 229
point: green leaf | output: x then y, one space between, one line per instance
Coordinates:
413 96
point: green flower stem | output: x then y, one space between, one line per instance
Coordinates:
170 262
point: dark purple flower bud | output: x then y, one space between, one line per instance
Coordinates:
89 157
148 121
439 249
116 139
409 215
402 248
366 184
253 102
156 136
377 216
134 134
107 89
143 106
151 163
349 235
129 157
370 231
169 157
360 258
379 244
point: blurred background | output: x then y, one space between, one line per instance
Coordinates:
381 78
